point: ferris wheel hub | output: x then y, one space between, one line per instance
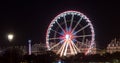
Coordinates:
67 36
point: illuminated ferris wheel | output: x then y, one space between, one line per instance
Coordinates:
69 33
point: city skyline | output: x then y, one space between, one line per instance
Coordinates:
30 19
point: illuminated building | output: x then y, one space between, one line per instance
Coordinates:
113 46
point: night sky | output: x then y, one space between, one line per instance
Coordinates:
30 19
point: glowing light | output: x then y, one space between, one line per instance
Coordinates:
67 37
10 37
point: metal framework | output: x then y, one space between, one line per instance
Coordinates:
70 32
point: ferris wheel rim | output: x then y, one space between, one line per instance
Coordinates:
53 21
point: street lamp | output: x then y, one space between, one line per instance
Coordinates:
10 37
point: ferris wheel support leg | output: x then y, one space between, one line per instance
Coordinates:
73 48
66 49
63 49
76 47
60 49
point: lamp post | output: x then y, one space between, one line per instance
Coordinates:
10 38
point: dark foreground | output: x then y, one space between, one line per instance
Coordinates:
16 56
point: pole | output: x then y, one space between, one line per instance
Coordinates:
29 41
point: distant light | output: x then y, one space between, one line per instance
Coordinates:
10 37
59 62
29 41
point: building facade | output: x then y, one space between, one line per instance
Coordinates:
113 46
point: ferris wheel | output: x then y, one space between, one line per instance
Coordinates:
69 33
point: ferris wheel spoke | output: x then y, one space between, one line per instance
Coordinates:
62 51
56 31
53 38
71 22
61 48
82 43
71 49
60 27
65 22
56 45
83 36
83 40
75 46
77 24
66 47
82 28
